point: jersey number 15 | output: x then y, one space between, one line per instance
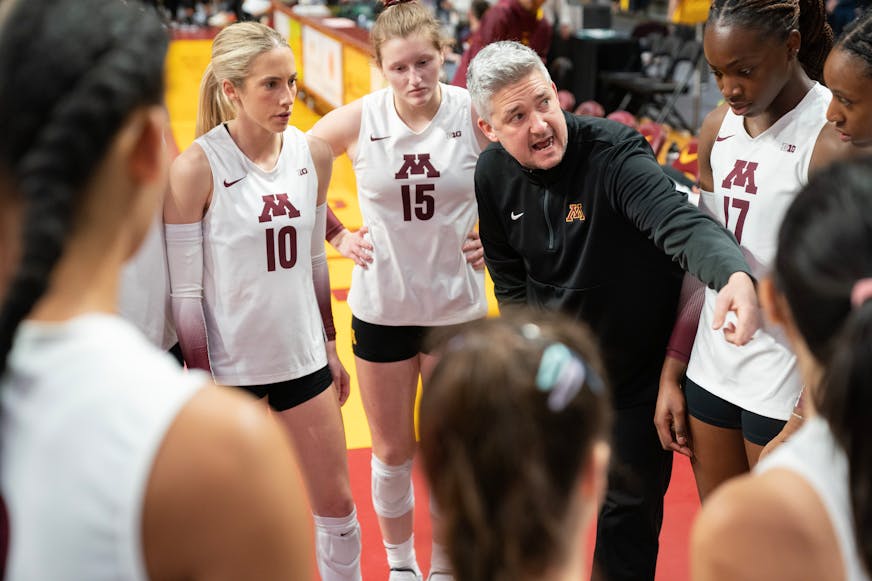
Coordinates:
424 205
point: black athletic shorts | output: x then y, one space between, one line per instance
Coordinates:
712 410
386 344
284 395
176 352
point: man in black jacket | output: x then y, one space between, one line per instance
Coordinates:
576 215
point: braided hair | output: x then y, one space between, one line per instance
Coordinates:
857 40
70 75
777 18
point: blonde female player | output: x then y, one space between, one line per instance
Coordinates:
245 226
114 464
413 146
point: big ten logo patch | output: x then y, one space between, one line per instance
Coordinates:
421 204
575 213
281 246
742 175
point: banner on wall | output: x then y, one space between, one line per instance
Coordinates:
282 23
361 77
323 54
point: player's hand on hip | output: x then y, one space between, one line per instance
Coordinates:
473 250
354 245
740 298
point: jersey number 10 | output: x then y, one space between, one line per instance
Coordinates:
285 245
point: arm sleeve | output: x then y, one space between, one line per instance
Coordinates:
334 225
690 304
640 191
321 273
506 266
185 260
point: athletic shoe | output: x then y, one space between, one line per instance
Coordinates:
404 574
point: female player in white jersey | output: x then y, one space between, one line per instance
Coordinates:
756 150
848 74
413 147
245 226
144 297
806 511
114 463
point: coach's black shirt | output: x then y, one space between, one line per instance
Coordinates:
603 236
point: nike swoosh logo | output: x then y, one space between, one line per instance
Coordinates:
516 216
228 184
724 138
374 138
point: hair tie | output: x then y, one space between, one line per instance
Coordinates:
389 3
563 374
861 292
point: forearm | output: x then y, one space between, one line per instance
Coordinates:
648 199
321 273
673 371
334 228
690 305
185 261
191 329
703 248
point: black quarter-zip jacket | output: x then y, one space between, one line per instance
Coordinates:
604 237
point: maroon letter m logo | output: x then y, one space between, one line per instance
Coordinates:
275 205
742 176
416 164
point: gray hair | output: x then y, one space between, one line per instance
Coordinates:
497 66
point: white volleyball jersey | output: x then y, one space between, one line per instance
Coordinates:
144 297
755 181
86 405
417 198
262 319
817 458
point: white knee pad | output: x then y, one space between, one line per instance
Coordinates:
337 543
392 492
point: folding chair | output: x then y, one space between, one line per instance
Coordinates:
657 97
659 56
